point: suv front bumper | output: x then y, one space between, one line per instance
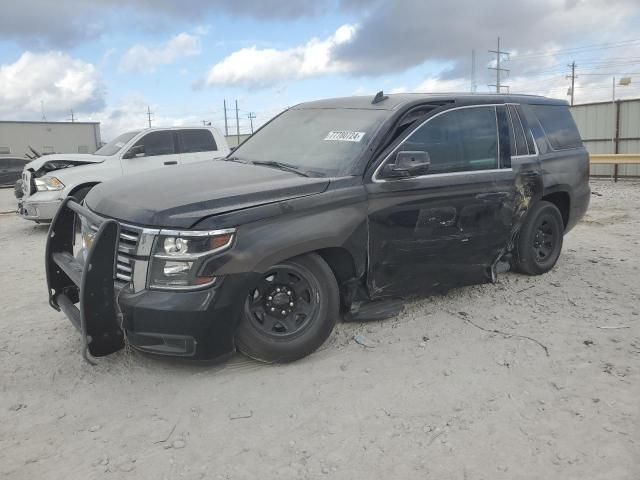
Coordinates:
198 325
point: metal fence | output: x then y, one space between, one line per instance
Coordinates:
608 127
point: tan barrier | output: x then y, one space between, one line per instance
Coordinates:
615 160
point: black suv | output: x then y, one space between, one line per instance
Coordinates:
330 206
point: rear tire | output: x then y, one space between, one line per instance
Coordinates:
539 242
290 312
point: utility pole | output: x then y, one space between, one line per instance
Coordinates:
474 85
44 117
226 125
237 123
251 117
498 69
573 77
72 117
149 115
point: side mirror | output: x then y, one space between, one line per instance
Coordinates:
135 151
408 164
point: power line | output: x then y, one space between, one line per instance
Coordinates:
499 70
573 50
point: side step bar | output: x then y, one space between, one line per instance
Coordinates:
91 285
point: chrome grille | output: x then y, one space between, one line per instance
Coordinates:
127 246
134 248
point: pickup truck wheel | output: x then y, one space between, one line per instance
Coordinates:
290 312
540 239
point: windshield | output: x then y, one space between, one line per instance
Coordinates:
325 142
115 145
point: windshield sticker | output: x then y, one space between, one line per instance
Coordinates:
344 136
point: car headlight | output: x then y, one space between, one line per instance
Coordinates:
178 257
47 183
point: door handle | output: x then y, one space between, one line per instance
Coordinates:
171 162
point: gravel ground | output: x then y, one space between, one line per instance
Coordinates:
437 394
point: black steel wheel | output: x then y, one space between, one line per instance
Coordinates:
290 312
540 239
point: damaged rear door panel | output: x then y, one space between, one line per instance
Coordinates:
451 225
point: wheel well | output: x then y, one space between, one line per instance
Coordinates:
81 186
562 201
340 261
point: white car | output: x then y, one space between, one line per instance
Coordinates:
47 180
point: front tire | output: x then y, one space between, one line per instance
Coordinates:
540 240
290 312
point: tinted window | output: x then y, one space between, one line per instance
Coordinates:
533 130
517 134
157 143
460 140
197 141
558 124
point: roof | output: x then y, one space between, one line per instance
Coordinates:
398 100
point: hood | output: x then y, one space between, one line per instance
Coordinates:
70 159
179 197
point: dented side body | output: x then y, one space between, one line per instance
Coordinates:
382 237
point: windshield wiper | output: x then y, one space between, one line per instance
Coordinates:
282 166
235 159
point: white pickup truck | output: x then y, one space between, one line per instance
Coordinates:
47 180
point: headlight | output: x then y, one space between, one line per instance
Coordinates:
178 257
47 183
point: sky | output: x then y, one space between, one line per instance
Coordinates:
113 60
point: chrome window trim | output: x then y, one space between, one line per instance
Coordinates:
375 179
527 131
196 233
450 174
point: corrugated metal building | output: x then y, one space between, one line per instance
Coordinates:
48 137
608 127
235 140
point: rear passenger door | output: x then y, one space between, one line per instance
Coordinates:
155 149
196 145
445 227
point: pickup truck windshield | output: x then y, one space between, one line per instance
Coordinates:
325 142
116 144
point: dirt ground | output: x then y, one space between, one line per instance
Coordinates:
436 394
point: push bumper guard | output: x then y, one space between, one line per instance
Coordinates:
90 285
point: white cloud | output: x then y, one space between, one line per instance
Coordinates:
140 58
52 80
255 66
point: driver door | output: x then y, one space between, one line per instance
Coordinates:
446 225
155 149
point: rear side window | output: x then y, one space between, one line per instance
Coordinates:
158 143
197 140
558 125
518 141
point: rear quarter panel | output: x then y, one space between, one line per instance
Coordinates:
568 171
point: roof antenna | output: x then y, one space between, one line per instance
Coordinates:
380 97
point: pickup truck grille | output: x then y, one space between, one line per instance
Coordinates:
28 183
